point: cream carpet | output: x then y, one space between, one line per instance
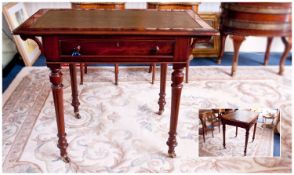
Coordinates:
261 147
119 130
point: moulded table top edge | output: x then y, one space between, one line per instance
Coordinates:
27 29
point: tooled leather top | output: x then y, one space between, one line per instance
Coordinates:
137 19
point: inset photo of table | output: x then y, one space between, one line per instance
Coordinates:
251 132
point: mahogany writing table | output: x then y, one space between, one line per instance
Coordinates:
240 118
113 36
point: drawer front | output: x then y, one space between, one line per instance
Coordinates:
118 47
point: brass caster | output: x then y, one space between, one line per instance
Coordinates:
172 155
65 159
77 115
233 74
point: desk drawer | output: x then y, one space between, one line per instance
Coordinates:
118 47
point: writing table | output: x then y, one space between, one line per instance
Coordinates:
113 36
240 118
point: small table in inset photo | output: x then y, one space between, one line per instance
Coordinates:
240 118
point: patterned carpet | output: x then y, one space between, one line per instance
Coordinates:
262 146
119 130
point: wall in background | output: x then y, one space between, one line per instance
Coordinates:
251 44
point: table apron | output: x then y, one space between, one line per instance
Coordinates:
115 50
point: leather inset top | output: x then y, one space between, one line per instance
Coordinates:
115 19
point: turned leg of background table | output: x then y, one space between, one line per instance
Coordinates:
57 91
224 135
237 41
150 68
236 131
74 89
246 140
116 73
177 80
161 101
288 44
253 137
267 52
203 133
187 71
86 68
82 73
153 73
222 48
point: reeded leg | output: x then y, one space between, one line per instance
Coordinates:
74 89
224 135
177 80
116 73
161 101
222 47
82 73
253 137
236 131
246 140
268 48
288 45
57 90
153 73
237 41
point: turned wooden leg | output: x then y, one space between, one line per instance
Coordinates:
236 131
116 73
253 137
82 73
212 131
150 68
222 48
177 80
57 90
268 48
187 71
288 44
246 140
203 133
86 68
153 73
224 135
237 41
74 89
161 101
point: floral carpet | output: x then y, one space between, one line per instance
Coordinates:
120 131
262 146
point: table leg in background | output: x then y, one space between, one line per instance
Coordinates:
224 135
161 101
246 140
74 89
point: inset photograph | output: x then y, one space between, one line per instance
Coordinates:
239 132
